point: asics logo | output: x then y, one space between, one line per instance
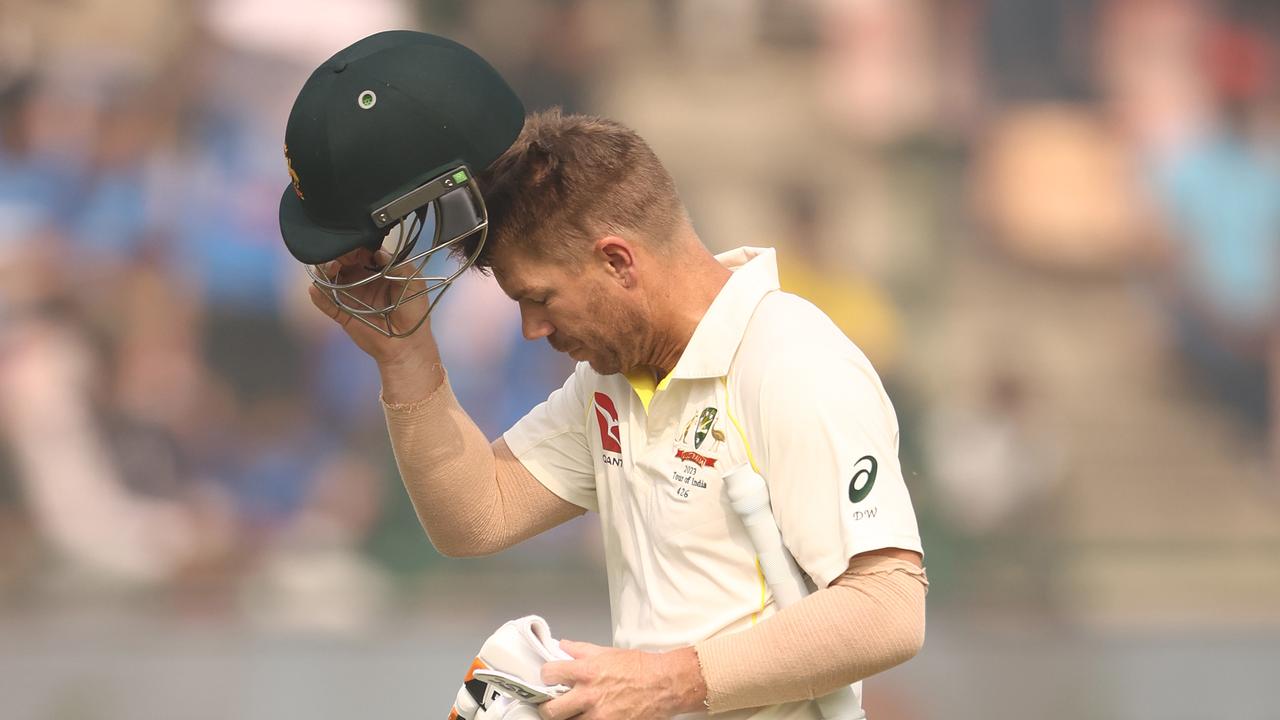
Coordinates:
865 473
607 418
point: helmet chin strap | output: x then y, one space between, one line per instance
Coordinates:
457 215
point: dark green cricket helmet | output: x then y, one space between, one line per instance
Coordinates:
387 134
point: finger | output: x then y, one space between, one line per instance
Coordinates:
329 270
321 300
569 705
561 672
359 257
580 650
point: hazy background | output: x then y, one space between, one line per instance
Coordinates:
1053 225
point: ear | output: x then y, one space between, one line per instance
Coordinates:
620 256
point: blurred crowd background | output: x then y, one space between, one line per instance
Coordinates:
1053 225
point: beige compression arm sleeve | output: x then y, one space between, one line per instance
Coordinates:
869 619
472 498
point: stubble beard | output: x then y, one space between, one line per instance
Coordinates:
617 347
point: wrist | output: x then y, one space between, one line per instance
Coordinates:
686 680
410 380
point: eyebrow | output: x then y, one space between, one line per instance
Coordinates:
540 291
518 293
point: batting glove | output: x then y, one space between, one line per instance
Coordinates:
505 680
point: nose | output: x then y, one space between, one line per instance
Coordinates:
534 324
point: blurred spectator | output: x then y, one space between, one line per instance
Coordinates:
1192 87
1037 51
75 480
857 305
566 52
878 68
1053 185
314 576
551 51
992 459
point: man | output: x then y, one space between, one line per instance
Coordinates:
689 364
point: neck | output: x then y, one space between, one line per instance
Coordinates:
681 302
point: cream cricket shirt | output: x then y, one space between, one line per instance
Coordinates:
767 378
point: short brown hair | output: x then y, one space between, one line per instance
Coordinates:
568 179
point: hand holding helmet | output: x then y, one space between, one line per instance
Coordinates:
378 292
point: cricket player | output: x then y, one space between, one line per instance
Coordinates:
689 364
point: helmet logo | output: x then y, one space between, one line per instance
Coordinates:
293 175
367 100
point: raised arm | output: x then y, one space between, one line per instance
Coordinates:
472 498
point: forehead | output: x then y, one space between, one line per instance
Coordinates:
519 273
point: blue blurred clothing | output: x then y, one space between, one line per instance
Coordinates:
1222 197
222 206
35 190
270 478
1224 200
237 265
346 384
114 217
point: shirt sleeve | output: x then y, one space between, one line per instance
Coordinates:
551 442
828 439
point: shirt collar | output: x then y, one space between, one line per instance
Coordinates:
715 341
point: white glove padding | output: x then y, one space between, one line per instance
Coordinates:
496 706
513 657
504 708
510 664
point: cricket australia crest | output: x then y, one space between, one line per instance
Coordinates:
695 433
706 422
